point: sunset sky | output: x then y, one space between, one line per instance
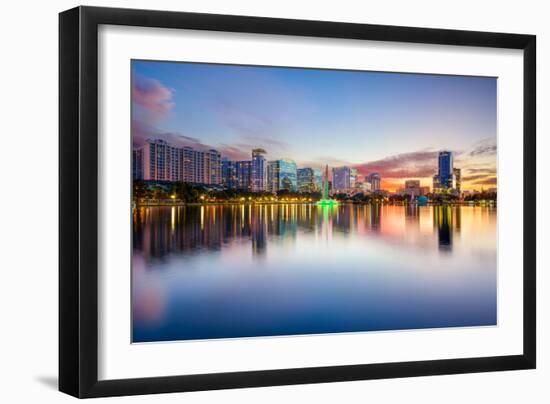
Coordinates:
391 123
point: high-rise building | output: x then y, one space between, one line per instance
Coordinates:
318 179
448 177
436 185
412 188
352 177
229 174
258 173
445 171
309 179
137 164
457 180
374 179
341 179
282 174
244 171
158 161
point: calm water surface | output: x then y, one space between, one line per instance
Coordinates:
202 272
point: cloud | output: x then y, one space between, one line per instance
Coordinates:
474 177
486 181
152 97
141 131
481 170
417 164
484 147
249 121
235 152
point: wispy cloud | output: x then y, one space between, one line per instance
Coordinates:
154 98
142 131
486 181
480 170
484 147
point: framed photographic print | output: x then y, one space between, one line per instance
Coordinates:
251 201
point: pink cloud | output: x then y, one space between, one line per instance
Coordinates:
417 164
153 97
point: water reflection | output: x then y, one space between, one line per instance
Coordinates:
320 266
159 231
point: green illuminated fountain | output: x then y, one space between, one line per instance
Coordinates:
326 201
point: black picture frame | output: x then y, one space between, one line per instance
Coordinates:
78 201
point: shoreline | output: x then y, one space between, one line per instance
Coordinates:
226 203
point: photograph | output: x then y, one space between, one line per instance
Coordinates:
282 201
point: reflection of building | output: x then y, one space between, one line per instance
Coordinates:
258 174
159 161
309 180
282 174
443 223
447 220
341 177
374 180
374 216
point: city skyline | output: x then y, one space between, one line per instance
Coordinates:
390 123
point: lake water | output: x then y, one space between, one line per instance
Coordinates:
203 272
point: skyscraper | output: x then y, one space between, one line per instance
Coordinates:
457 180
156 160
282 174
374 179
229 174
341 179
352 177
244 170
258 175
318 179
309 180
137 164
445 169
436 185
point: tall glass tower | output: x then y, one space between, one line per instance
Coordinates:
446 169
258 175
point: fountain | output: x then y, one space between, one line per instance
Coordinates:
326 201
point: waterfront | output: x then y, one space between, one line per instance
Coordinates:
220 271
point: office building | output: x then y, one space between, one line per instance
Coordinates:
309 179
258 174
374 180
244 171
457 180
352 177
282 175
341 179
448 178
229 174
137 164
412 188
445 170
